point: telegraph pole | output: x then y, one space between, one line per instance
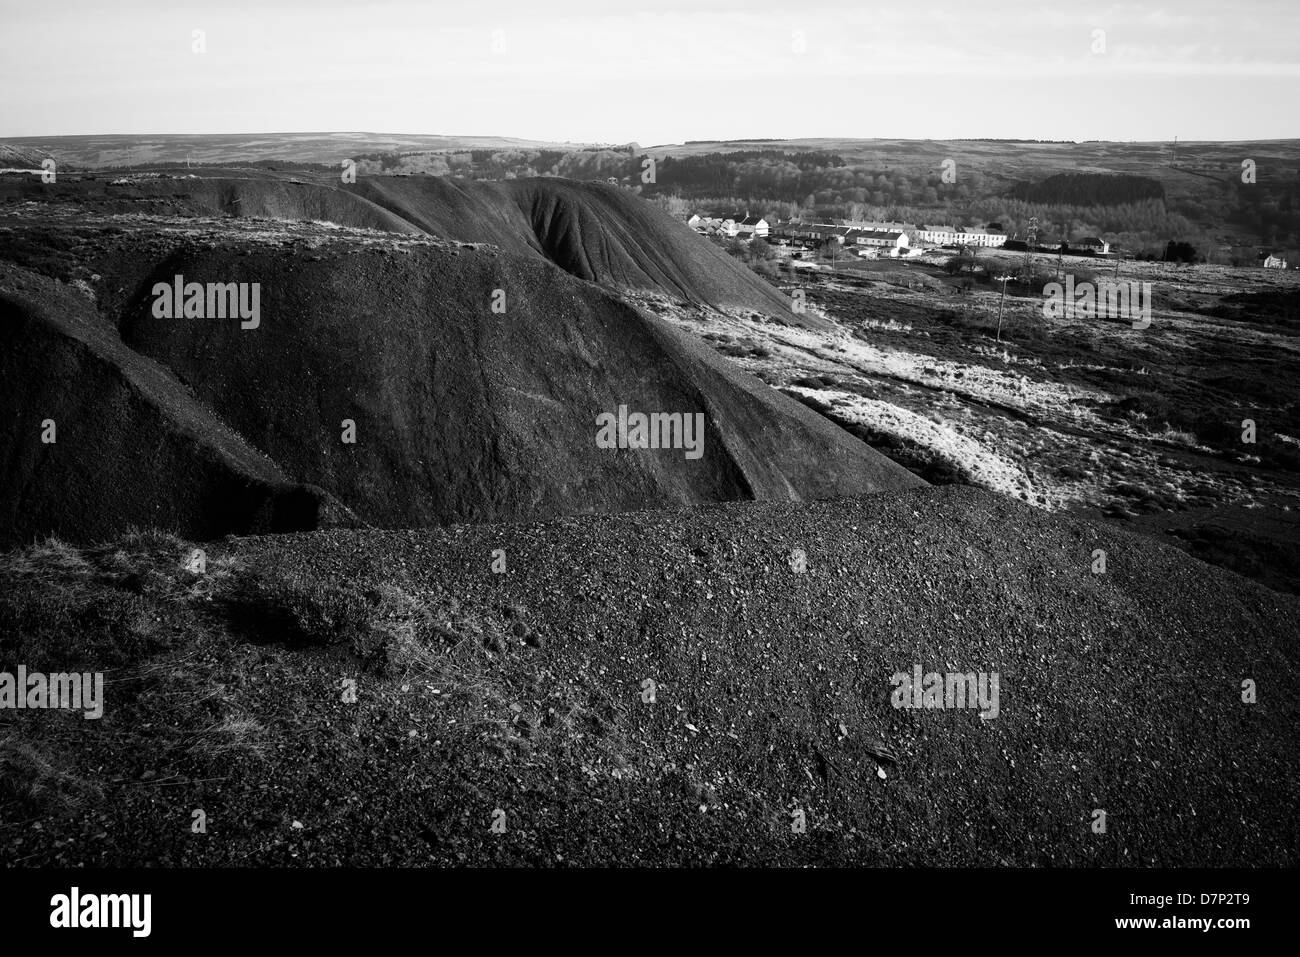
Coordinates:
1000 302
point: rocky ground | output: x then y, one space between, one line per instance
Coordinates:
520 697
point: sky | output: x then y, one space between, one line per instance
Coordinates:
612 71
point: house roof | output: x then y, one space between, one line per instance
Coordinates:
874 224
888 234
815 228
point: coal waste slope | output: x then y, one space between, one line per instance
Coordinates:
460 411
465 413
594 231
95 439
704 686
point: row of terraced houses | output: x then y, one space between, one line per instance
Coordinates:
876 234
853 232
883 238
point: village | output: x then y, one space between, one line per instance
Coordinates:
818 246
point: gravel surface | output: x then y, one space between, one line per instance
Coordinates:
770 631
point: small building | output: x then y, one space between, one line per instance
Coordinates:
1093 244
1274 261
809 234
711 225
939 235
751 227
983 237
960 236
886 240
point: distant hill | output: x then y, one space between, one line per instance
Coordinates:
100 150
13 156
1204 201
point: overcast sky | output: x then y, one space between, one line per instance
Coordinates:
655 71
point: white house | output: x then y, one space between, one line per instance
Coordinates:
711 224
959 236
1094 244
939 235
1274 261
982 237
885 240
747 227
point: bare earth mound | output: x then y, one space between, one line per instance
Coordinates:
594 231
400 379
127 444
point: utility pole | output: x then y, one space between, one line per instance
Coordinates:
1031 238
1000 302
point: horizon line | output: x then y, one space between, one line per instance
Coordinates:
683 142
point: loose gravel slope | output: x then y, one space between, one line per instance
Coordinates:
523 691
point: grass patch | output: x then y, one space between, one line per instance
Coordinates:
32 781
67 608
